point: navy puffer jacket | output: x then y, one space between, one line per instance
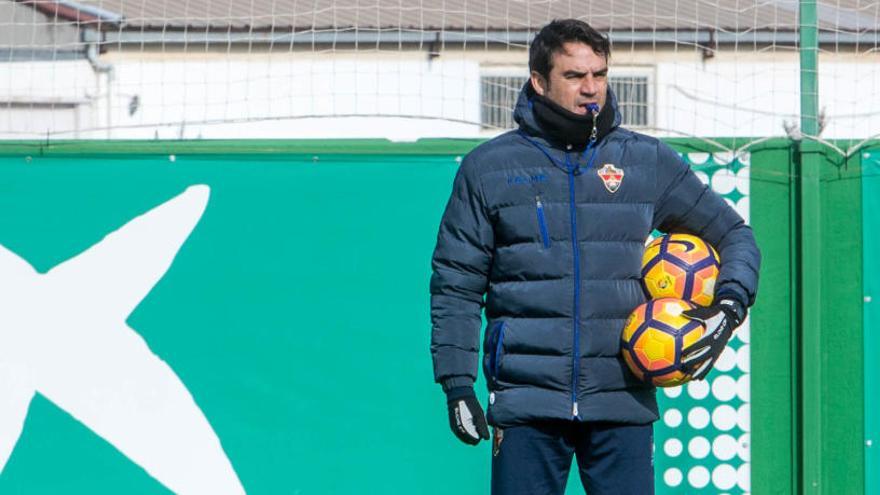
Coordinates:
557 256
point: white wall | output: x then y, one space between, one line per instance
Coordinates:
262 97
754 99
726 98
41 97
405 96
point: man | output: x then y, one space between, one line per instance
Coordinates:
549 222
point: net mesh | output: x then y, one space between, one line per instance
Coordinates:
123 69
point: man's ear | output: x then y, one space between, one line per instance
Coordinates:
539 84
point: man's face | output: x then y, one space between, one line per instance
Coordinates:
578 77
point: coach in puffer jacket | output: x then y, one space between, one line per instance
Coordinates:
549 222
557 254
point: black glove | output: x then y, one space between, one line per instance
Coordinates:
466 416
721 319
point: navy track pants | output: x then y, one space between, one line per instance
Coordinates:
534 459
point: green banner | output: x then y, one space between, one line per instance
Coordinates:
256 319
218 324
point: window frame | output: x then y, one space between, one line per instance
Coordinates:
646 72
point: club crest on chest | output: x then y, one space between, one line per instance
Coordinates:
611 176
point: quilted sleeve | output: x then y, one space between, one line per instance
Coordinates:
459 281
684 204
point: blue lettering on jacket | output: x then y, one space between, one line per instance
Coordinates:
513 180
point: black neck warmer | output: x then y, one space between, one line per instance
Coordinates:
565 127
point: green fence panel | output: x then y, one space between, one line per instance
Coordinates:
841 384
871 246
295 312
774 463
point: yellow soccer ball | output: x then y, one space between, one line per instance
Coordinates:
652 340
682 266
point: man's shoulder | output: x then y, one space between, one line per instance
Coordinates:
490 154
644 146
624 134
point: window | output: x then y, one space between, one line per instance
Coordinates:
23 119
498 94
632 99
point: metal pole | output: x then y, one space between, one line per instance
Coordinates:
809 51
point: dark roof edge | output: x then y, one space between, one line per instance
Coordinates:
74 11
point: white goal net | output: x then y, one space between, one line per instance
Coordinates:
130 69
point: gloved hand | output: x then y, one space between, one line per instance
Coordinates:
721 319
466 416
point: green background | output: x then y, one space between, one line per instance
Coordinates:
296 315
297 312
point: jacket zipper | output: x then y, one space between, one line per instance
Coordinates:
575 358
575 253
542 222
575 365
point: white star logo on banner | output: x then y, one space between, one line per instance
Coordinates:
63 334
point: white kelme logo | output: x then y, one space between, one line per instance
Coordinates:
63 334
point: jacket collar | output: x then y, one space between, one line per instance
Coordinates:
524 115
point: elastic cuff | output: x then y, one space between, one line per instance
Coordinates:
728 292
737 289
455 382
459 393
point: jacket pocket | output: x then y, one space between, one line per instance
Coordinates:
496 348
542 222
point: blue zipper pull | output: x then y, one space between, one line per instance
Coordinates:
542 222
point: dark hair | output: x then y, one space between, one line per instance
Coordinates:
551 37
